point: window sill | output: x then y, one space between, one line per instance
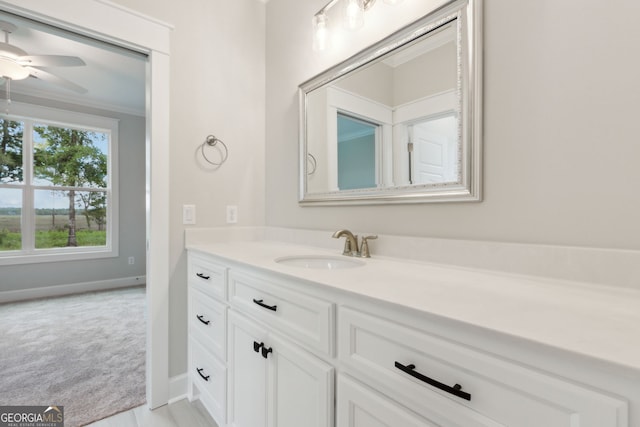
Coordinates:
42 256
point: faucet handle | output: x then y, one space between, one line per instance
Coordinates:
364 248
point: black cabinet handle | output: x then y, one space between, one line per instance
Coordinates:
266 351
202 276
456 390
257 347
206 378
201 318
262 304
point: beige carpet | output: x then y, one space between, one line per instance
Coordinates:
85 352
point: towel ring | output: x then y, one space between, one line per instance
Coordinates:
314 163
212 141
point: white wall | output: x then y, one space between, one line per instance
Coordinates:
217 87
561 124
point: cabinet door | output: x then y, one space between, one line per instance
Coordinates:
300 387
359 406
247 374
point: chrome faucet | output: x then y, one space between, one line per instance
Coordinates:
350 244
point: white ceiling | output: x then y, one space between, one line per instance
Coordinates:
114 77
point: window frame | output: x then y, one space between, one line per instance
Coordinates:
35 114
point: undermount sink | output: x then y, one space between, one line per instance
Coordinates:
320 262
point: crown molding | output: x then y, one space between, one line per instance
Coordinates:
56 97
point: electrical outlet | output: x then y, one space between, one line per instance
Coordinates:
132 260
189 214
232 214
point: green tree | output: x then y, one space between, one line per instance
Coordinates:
11 151
70 158
98 210
95 208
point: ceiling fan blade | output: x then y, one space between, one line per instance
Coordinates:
52 78
50 61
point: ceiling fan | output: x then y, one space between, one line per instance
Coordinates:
16 64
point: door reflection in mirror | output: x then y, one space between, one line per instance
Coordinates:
433 150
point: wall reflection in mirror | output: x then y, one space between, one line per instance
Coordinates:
393 125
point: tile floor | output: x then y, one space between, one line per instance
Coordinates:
179 414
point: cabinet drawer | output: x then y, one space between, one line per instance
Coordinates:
359 406
207 322
304 318
208 276
433 376
209 376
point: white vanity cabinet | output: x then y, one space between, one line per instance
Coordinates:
294 353
207 343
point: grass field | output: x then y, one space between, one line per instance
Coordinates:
44 222
50 232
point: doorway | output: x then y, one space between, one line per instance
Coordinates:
111 23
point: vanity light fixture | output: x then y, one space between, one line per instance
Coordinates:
320 31
353 10
352 18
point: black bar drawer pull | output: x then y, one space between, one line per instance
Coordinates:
257 347
201 318
206 378
262 304
456 390
202 276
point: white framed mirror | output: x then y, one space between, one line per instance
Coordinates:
401 121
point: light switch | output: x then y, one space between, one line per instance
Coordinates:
188 214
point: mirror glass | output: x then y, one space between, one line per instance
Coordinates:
397 122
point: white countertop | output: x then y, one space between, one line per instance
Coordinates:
598 321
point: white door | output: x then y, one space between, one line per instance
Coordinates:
301 387
247 401
434 158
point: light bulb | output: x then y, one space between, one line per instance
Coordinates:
353 14
320 32
393 2
12 70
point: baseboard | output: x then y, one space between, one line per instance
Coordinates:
74 288
177 388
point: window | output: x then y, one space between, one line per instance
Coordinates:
357 159
57 185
